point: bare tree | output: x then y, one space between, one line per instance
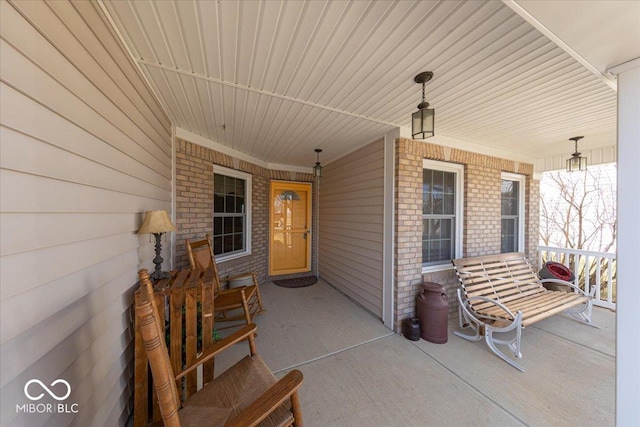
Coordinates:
578 210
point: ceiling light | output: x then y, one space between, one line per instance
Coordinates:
576 162
423 120
317 169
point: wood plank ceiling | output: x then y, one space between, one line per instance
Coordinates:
276 79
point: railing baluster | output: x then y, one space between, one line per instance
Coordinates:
610 283
540 258
587 274
598 274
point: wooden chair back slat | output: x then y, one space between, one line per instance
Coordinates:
498 284
176 302
503 277
156 349
502 289
506 299
206 296
200 253
179 280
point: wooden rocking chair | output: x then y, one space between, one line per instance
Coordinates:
247 394
227 301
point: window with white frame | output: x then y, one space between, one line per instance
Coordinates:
512 213
442 213
231 213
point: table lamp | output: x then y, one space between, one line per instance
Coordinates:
157 223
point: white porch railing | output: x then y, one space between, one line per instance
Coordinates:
592 269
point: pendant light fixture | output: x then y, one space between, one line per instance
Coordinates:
317 169
576 162
423 120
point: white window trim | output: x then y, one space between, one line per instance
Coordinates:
522 180
458 169
247 177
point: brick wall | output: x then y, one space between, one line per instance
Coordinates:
482 193
532 219
194 196
481 222
194 204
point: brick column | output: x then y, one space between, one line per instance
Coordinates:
532 219
408 220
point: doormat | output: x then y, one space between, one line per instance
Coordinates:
298 282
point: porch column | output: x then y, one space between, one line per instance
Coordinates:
628 292
388 239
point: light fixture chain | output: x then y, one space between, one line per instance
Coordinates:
422 121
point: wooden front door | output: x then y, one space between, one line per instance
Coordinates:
290 228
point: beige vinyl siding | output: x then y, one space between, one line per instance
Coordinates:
85 150
351 225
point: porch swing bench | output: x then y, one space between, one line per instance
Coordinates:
502 294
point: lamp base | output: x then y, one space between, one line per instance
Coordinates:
158 274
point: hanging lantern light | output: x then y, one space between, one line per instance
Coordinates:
317 169
423 120
576 162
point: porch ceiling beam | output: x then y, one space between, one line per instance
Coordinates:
513 5
263 92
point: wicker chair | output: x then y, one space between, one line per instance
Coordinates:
228 301
247 394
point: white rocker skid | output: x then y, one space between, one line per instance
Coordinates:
580 313
468 318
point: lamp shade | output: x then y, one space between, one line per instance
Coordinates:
423 123
576 163
156 222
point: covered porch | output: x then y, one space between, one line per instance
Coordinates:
358 373
113 108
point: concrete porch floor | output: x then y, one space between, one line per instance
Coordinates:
358 373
